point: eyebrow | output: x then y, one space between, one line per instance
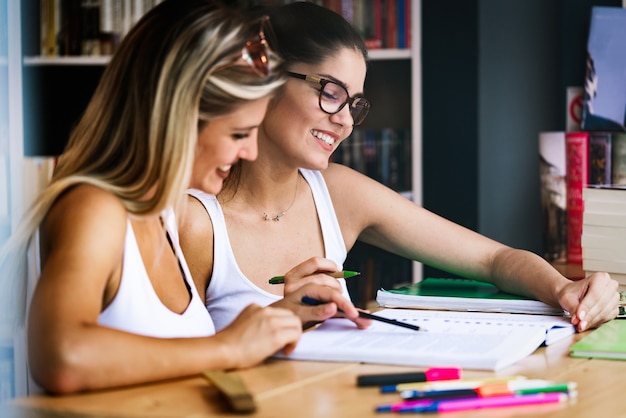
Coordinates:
341 83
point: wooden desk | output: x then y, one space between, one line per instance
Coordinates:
301 389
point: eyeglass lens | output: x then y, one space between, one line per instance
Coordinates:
333 97
256 51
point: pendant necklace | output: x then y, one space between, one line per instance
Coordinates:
277 217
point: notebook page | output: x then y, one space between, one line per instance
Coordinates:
484 341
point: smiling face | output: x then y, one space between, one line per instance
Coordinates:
223 141
295 129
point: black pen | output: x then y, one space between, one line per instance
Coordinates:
310 301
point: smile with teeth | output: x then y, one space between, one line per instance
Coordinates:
224 167
327 139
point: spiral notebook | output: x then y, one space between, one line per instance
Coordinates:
461 295
471 340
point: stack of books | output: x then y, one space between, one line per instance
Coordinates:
604 231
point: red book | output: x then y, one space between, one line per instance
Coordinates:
390 22
577 178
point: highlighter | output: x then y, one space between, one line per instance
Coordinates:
432 374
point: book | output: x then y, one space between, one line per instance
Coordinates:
50 21
70 37
372 23
600 158
606 342
460 295
553 195
604 103
577 178
618 159
470 340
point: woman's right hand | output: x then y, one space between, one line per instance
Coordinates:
312 271
258 333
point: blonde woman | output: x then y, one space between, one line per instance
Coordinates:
114 304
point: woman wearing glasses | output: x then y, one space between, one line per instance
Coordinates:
114 303
290 207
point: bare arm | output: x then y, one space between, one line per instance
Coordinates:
386 219
70 352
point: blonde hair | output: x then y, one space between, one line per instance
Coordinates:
173 72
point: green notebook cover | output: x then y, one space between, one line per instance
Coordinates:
606 342
461 295
458 288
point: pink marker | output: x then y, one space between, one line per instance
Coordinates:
500 401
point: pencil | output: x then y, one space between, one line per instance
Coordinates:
337 275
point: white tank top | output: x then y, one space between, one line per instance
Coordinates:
137 308
230 290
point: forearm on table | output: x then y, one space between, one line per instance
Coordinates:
525 273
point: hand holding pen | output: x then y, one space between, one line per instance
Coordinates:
311 301
319 270
336 303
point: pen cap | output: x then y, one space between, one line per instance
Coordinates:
443 373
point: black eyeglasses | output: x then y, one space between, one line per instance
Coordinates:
333 97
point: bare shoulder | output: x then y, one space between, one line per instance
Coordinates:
353 186
85 214
194 220
338 176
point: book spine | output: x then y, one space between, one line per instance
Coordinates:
50 26
372 23
70 37
111 12
553 192
618 158
90 28
390 22
400 22
577 157
407 24
599 158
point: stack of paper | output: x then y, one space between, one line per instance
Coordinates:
472 340
604 231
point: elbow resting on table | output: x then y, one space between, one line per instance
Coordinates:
60 372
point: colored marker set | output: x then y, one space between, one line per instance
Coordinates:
445 391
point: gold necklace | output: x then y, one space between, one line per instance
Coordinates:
277 217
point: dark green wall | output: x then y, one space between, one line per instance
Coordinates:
494 76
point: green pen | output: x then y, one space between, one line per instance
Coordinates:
557 387
337 275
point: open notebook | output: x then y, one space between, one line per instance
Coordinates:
471 340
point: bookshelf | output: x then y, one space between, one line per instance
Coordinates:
57 88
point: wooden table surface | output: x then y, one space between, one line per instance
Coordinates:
283 388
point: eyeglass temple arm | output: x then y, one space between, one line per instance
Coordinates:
305 77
